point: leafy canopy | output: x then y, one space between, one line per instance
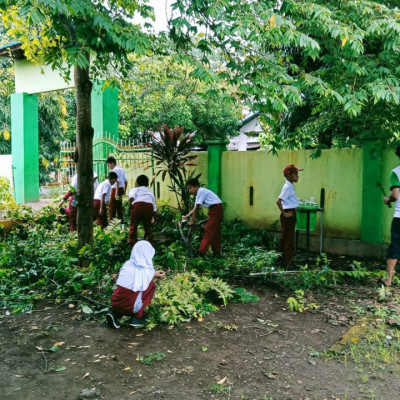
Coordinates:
316 68
160 90
54 32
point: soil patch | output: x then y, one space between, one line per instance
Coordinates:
255 351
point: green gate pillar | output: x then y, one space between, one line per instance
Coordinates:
215 149
25 147
371 223
105 124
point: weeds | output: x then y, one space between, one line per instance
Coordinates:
299 302
151 358
380 346
221 388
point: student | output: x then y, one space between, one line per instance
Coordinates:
118 190
144 209
287 203
135 287
101 197
71 212
393 251
212 232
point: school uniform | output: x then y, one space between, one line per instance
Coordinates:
288 224
103 188
72 211
393 251
212 230
115 206
143 209
135 285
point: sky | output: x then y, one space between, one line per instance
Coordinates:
159 11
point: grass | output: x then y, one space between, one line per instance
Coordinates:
151 358
220 388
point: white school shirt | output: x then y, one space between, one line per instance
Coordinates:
74 182
288 196
121 176
104 187
142 194
207 198
395 183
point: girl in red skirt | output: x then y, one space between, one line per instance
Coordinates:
135 287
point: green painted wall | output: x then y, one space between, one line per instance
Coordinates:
166 196
389 161
339 171
105 113
25 147
215 149
371 225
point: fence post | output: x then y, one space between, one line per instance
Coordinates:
104 121
215 149
25 146
371 216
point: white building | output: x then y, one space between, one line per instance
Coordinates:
248 134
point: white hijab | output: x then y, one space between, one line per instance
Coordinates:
137 273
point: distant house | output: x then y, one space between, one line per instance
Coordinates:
248 134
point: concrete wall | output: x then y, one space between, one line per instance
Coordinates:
338 171
389 161
6 167
162 193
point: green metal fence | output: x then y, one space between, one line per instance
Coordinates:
130 153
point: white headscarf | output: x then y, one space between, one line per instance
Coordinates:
137 273
74 181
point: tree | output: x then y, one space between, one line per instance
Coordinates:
161 91
6 88
323 72
92 37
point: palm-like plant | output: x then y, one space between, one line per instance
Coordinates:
171 151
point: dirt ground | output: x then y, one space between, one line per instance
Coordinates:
257 351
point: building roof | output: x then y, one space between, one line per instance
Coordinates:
12 50
250 118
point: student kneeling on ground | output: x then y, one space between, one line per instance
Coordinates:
135 287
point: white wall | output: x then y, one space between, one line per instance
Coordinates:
6 167
31 78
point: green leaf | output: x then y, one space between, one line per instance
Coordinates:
87 310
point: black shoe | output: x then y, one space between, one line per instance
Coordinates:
292 268
62 211
137 322
112 320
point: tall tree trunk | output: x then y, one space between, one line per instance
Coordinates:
84 147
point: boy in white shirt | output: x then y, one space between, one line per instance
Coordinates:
287 203
101 197
143 209
118 189
212 230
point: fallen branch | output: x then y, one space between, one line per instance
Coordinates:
273 273
93 301
45 362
